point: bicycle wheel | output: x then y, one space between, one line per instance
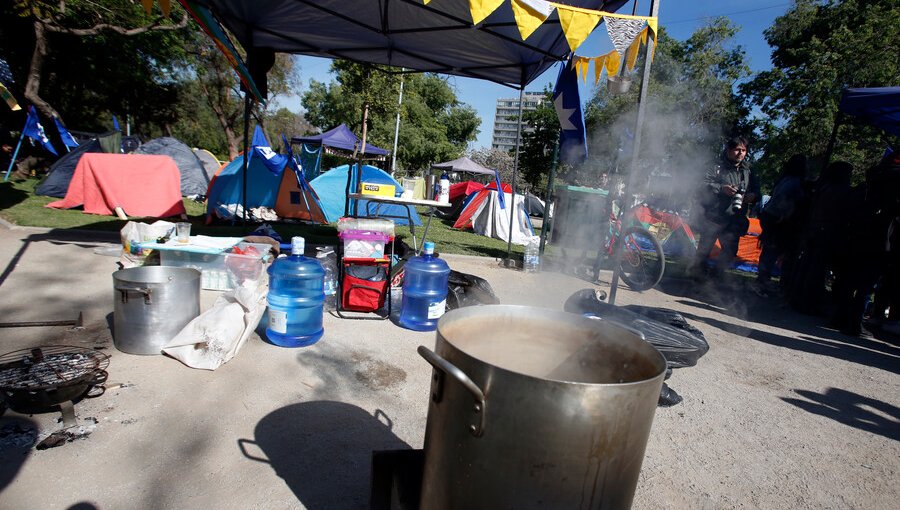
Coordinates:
643 261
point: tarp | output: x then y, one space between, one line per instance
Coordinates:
343 139
483 214
438 37
193 177
879 106
749 249
265 178
463 164
142 185
331 187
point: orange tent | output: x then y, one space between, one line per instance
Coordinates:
749 248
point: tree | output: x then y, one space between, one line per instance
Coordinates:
501 161
434 125
818 49
536 155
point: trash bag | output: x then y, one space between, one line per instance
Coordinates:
680 343
468 290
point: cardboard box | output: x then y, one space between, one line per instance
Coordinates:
381 190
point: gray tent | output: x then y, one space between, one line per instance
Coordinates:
193 177
211 165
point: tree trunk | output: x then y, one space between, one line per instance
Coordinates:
33 83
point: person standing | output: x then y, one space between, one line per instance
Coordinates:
779 221
728 190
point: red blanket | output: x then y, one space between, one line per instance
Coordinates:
142 185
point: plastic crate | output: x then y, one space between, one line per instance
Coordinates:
363 244
221 271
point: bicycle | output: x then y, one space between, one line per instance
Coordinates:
643 260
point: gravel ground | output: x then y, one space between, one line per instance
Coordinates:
781 413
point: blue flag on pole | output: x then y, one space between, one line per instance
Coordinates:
116 123
501 197
567 102
34 130
67 139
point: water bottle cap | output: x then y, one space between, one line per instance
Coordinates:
428 248
298 245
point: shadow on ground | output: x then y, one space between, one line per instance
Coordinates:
851 409
323 450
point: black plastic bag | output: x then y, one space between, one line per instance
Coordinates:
680 343
469 290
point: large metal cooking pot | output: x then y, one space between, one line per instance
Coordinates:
152 304
533 408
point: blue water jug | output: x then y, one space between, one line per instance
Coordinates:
296 295
424 291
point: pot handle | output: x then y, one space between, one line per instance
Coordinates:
448 368
146 291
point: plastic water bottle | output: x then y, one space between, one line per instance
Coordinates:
424 291
295 298
328 259
532 260
444 196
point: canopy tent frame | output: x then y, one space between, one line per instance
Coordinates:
886 116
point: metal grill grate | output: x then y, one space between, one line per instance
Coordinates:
49 367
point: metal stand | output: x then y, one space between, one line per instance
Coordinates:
339 304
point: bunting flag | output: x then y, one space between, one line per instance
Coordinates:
67 139
623 31
567 102
34 130
577 24
530 14
481 9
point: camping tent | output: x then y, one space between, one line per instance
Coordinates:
534 206
273 180
339 141
210 163
60 174
331 188
464 164
749 249
193 178
485 214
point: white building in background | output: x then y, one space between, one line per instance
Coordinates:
507 116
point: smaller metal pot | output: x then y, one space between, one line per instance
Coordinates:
618 85
152 304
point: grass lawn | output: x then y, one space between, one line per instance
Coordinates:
19 205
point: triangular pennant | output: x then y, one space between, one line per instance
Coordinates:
623 31
530 14
481 9
633 50
613 60
581 67
148 6
166 6
599 64
577 24
426 2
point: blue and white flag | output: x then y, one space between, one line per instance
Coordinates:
116 123
34 130
67 139
501 197
567 102
6 77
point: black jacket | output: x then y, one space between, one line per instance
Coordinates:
715 204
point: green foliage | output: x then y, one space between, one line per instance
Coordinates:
434 125
819 48
538 142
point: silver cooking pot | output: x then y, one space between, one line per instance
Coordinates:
152 304
533 408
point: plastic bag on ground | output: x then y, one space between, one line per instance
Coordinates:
134 233
216 336
469 290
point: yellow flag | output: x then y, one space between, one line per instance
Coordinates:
577 24
148 5
530 15
632 54
581 67
426 2
481 9
613 60
599 64
8 97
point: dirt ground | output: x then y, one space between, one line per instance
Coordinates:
781 413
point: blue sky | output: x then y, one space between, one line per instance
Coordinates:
679 17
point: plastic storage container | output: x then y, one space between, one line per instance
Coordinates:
382 225
424 291
221 271
363 244
295 299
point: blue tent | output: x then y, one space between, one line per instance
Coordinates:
878 106
331 187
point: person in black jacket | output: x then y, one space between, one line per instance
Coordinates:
728 191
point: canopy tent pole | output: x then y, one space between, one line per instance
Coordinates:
246 154
642 107
832 140
360 152
546 225
397 128
512 204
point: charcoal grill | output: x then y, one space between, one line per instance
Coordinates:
39 379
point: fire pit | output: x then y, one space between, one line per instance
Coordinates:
38 379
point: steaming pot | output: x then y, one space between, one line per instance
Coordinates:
534 408
152 304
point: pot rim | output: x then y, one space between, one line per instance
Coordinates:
486 310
